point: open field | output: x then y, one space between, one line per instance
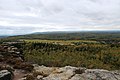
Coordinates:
61 42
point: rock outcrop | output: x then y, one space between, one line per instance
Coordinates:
12 59
97 74
74 73
5 75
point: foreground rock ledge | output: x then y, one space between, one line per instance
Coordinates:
64 73
74 73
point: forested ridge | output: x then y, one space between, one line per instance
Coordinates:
90 35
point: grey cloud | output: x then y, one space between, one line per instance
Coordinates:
59 14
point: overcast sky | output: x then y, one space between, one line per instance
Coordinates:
27 16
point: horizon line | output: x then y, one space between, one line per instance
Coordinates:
61 31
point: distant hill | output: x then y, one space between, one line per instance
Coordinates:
75 35
3 36
85 35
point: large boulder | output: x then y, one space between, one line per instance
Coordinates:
97 74
75 73
64 73
5 75
43 70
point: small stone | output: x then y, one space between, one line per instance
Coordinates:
39 77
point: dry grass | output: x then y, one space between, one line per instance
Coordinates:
61 42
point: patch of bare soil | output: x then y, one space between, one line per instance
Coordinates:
18 74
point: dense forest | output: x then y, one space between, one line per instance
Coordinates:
90 50
90 55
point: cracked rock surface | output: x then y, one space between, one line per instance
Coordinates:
74 73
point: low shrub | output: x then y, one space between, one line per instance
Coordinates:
24 66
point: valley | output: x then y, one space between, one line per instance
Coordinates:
29 58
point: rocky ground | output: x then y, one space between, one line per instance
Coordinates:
72 73
12 64
13 67
64 73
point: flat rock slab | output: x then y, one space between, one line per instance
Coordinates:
77 73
